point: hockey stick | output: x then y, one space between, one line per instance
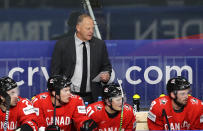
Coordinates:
53 127
7 101
6 120
121 121
164 114
54 120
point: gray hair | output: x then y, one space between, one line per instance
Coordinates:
81 18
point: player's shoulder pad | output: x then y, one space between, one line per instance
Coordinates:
76 97
163 100
194 101
26 106
41 96
97 106
20 99
128 107
159 102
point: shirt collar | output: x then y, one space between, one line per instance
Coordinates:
77 40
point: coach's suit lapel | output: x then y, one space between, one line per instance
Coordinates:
92 52
72 49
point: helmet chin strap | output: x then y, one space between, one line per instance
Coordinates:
59 100
111 107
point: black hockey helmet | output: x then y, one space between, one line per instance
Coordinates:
57 82
6 84
177 83
111 90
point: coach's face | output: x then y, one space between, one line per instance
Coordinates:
85 29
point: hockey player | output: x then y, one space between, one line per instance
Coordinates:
59 102
107 113
177 111
16 112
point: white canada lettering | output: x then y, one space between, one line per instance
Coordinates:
11 125
178 126
58 120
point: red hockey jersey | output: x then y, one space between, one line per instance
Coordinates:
96 111
191 118
74 110
22 113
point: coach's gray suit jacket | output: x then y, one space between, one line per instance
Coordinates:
64 60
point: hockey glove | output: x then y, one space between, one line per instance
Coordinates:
88 125
53 128
26 127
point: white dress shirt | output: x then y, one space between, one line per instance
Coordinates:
77 76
